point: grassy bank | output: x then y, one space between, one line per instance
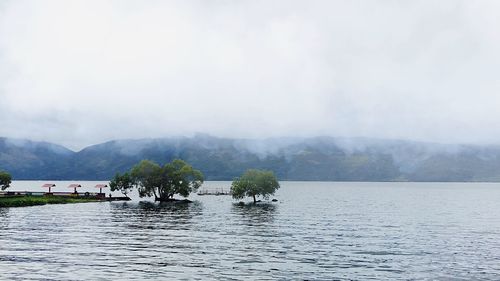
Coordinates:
24 201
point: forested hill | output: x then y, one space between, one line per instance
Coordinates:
321 159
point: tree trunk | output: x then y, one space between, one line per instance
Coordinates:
254 200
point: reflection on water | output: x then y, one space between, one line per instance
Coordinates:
255 214
4 221
149 215
318 231
3 212
165 209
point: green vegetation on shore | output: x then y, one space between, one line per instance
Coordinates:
25 201
5 180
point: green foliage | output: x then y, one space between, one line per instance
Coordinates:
123 183
24 201
5 180
255 183
313 159
176 177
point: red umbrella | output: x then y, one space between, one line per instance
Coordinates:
48 185
101 186
74 185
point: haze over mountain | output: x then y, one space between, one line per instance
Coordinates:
319 158
85 71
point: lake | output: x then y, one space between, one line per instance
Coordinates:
316 231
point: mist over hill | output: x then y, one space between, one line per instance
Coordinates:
318 159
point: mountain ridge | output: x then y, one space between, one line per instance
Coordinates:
309 159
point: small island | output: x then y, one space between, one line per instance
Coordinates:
162 182
255 183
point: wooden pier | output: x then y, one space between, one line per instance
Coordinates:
216 192
83 195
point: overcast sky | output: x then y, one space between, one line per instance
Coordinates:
81 72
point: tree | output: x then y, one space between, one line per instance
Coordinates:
5 180
255 183
123 183
176 177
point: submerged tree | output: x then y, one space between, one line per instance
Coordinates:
123 183
255 183
5 180
176 177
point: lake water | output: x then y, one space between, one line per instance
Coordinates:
317 231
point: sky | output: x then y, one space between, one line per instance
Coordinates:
82 72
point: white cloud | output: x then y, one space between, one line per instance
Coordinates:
80 72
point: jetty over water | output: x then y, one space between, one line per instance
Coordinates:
215 191
86 195
75 194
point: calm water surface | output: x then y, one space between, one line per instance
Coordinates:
317 231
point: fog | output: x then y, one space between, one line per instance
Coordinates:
82 72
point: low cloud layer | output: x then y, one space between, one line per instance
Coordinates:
82 72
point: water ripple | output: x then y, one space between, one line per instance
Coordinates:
318 231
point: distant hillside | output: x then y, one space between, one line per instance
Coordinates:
320 158
33 160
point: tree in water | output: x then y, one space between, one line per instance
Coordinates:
176 177
123 183
5 180
255 183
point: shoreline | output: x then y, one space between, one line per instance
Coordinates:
28 201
